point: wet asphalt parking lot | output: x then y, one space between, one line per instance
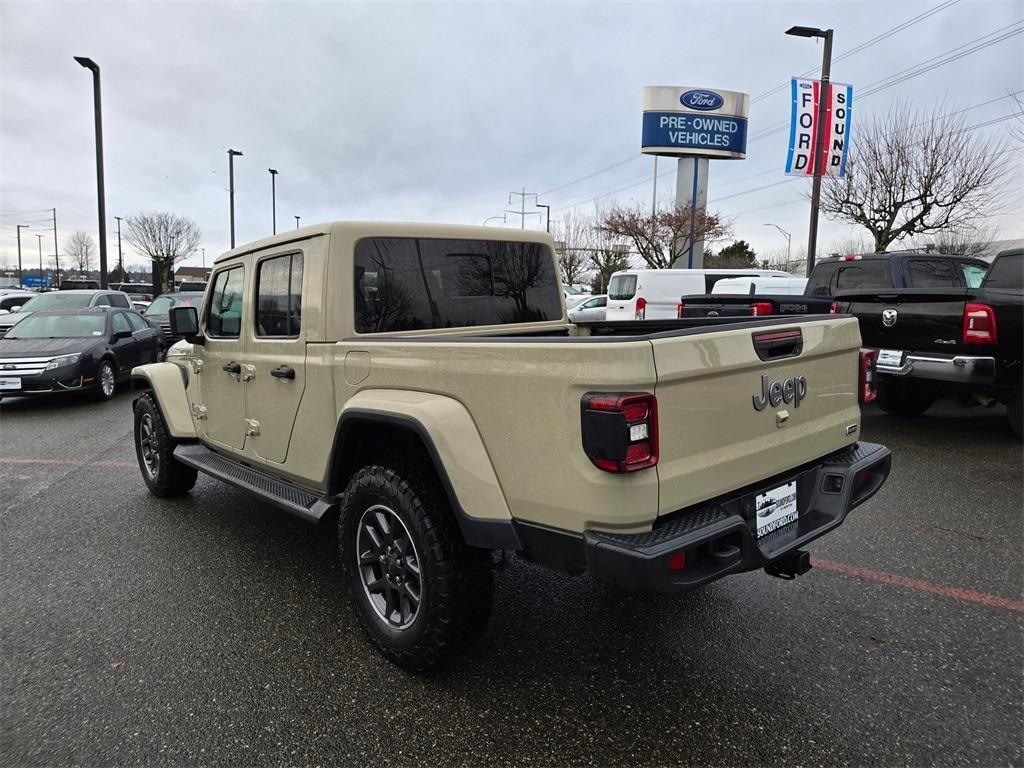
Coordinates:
215 630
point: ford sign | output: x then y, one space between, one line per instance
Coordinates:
702 100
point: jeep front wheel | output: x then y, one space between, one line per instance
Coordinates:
154 447
420 592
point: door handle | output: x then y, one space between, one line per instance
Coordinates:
283 372
233 368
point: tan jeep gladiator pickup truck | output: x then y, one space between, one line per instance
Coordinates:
421 386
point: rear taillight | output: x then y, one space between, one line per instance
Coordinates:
833 308
641 308
679 309
620 431
867 387
762 308
979 324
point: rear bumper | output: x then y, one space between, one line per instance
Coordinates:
956 369
718 538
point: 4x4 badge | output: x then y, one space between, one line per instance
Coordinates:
889 317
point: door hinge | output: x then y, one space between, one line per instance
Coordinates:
198 411
197 366
252 428
248 372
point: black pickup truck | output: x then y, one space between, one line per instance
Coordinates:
962 342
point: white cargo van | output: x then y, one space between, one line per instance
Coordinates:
753 286
653 294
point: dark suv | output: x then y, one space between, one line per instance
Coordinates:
902 269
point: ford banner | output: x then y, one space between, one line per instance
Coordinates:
803 131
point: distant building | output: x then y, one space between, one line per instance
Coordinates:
191 274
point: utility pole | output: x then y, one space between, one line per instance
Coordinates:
120 256
204 257
93 67
231 189
522 195
547 211
56 258
20 227
273 197
820 150
297 221
40 240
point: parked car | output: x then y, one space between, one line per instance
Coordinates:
74 350
422 385
78 284
963 342
78 299
190 286
590 309
900 269
11 299
652 294
157 312
141 293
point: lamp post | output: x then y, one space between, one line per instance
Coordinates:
231 189
93 67
819 139
297 221
40 238
273 197
20 227
120 256
789 241
547 212
204 257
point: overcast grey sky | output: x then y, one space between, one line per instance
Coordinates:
435 111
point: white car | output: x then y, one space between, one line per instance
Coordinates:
9 299
752 286
653 294
590 310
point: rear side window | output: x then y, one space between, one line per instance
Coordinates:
622 287
404 283
279 296
933 273
103 300
224 318
1006 273
120 323
120 300
973 274
137 323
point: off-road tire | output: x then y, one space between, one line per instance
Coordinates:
456 580
1014 410
897 399
169 477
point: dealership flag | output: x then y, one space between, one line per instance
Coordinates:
803 128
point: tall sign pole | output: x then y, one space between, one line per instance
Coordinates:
821 151
231 189
20 227
93 67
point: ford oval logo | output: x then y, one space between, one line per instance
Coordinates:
702 100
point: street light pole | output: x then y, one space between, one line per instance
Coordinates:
820 150
273 197
120 256
297 221
547 210
40 239
93 67
789 241
231 189
20 227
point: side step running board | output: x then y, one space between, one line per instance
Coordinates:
290 498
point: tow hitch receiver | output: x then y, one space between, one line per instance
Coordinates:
796 563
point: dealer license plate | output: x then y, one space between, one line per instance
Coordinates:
10 382
890 358
776 508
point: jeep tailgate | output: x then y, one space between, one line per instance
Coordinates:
714 440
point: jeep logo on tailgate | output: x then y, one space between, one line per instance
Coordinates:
791 390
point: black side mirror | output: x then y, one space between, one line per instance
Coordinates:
118 335
185 322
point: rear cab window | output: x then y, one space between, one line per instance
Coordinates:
406 283
933 273
622 287
829 279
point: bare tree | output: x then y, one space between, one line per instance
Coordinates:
80 248
664 237
913 173
974 241
607 256
165 238
574 238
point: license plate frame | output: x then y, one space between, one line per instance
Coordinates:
890 358
775 508
10 383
